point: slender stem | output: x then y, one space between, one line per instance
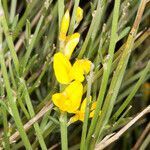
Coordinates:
9 40
23 18
12 100
92 27
87 111
132 93
32 114
13 10
5 124
117 77
63 128
107 68
29 124
29 49
72 22
145 143
5 6
142 137
103 145
60 11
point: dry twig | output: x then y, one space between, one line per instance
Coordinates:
104 144
29 124
141 138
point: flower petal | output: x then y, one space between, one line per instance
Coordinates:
73 119
64 26
80 67
62 68
72 42
79 14
92 114
93 105
59 100
83 105
74 92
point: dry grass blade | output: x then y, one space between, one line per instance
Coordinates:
104 144
29 124
141 138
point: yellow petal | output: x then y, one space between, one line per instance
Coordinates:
62 68
92 114
79 14
86 65
64 26
72 42
73 119
81 116
69 100
74 93
77 72
80 67
83 105
93 106
60 101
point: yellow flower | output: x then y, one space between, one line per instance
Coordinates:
79 114
71 43
62 68
64 26
68 43
79 14
69 100
65 72
81 67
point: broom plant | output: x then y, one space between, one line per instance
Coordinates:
74 74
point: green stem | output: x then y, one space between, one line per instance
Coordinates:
60 11
132 93
94 22
106 71
32 114
72 22
13 10
117 78
6 132
9 40
12 101
63 128
145 143
29 49
5 6
87 112
21 22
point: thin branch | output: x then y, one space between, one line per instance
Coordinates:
54 146
22 37
29 124
104 144
141 138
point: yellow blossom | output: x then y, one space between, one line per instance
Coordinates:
69 100
65 72
62 68
79 114
71 43
81 67
79 14
64 26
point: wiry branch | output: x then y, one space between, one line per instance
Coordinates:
115 137
29 124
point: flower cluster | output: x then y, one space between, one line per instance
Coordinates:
71 75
